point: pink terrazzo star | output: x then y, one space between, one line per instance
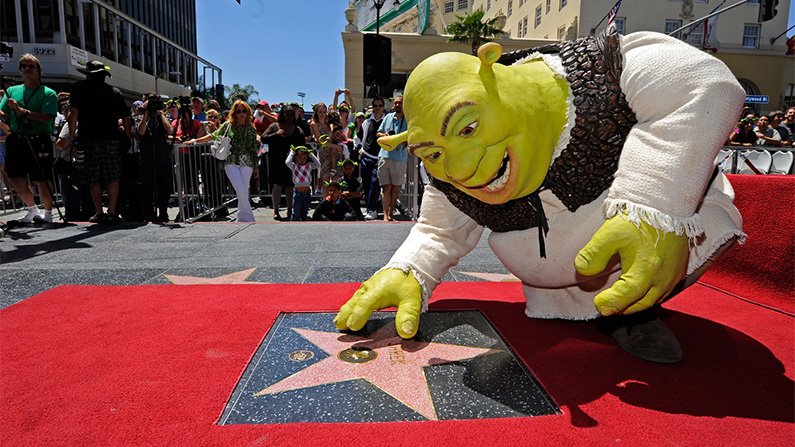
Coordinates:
397 368
232 278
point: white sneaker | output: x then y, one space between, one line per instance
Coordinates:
32 213
370 215
43 218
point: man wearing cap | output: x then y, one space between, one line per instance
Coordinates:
198 109
31 109
96 107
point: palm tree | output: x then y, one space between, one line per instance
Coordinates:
472 29
245 93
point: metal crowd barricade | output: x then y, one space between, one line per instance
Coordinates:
201 185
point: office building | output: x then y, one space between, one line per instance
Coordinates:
150 45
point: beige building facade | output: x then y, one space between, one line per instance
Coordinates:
744 43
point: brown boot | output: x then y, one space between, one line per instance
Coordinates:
643 335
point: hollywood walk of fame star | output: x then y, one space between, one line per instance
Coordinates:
231 278
384 359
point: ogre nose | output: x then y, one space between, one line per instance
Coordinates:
462 165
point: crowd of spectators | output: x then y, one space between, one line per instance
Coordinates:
774 129
115 162
96 148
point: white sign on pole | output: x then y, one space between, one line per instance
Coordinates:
78 56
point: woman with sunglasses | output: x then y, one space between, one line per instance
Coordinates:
242 160
213 121
743 134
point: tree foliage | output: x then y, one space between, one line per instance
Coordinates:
473 29
245 93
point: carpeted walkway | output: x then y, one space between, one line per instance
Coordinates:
155 365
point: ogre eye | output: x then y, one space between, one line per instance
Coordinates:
469 130
433 157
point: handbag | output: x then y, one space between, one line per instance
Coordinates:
221 146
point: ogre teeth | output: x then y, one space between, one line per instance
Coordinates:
499 183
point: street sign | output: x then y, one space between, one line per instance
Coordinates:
757 99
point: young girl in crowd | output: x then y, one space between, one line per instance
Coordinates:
302 163
351 188
333 208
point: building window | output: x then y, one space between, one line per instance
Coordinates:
563 4
621 23
562 32
448 7
510 7
519 29
488 5
671 25
549 5
524 26
8 22
695 36
538 16
463 4
751 32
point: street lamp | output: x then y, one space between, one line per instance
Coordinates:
160 76
302 95
378 5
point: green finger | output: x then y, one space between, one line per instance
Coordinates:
621 295
341 320
407 319
655 295
593 258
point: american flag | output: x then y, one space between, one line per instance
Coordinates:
612 15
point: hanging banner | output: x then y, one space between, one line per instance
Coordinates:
423 9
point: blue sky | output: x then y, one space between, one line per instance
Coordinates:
282 47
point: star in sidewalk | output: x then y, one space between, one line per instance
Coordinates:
231 278
494 277
384 359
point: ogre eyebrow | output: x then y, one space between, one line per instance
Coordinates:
452 111
414 147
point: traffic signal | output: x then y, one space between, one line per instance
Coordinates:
767 10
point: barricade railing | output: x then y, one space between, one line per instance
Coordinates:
199 181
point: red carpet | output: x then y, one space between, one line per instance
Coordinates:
763 269
155 365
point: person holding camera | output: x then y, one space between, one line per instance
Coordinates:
155 170
31 109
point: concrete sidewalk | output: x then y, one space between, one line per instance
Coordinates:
37 257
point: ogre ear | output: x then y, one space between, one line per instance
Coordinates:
392 141
488 55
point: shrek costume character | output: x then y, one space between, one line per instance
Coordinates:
570 155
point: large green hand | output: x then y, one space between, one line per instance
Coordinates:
387 288
652 262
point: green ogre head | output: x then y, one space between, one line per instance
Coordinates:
488 129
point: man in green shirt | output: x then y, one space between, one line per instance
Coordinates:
31 109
